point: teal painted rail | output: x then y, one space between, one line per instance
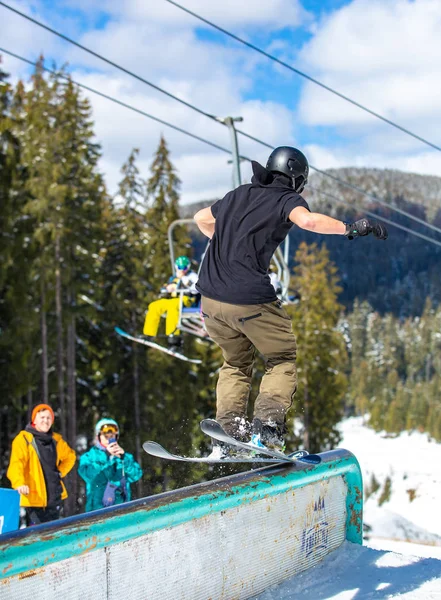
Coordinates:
329 495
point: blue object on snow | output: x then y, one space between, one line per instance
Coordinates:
9 510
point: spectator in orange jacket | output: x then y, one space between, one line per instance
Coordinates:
40 459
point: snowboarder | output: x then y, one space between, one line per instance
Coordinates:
107 468
185 279
239 304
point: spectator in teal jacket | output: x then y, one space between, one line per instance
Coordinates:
107 469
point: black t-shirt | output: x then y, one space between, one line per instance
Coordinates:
251 222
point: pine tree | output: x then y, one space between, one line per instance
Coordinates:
131 187
154 396
19 317
433 420
163 196
359 387
14 357
395 418
396 382
322 357
358 367
59 197
80 196
173 393
386 492
418 408
371 487
358 323
126 281
37 137
435 326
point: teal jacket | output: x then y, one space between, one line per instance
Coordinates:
97 467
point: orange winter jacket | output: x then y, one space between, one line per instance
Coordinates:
25 467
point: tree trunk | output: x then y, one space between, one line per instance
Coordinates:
30 402
70 504
59 320
428 366
137 414
306 424
71 382
44 359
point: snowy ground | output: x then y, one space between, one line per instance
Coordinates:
413 464
402 557
359 573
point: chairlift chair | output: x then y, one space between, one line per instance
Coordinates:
190 317
280 262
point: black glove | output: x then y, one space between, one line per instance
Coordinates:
363 227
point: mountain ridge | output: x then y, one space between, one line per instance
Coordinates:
394 276
386 184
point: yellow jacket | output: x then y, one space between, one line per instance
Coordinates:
25 468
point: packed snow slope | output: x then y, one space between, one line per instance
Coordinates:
407 522
356 572
412 462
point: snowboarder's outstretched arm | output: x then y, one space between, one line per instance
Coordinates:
319 223
205 221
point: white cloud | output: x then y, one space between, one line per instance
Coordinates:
155 41
23 37
425 162
386 55
244 14
377 36
119 130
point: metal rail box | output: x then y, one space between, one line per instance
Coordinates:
227 539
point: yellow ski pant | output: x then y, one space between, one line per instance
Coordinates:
169 306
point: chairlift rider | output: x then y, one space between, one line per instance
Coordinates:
183 284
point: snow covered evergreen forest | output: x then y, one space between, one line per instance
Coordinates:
75 262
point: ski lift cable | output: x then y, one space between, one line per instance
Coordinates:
185 132
202 112
109 62
375 216
112 99
305 75
353 187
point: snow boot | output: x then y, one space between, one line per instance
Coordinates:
148 338
221 450
269 434
175 343
240 429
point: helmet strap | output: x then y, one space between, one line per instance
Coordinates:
298 187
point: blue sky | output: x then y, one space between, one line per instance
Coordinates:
384 54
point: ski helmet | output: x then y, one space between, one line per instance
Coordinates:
104 424
182 263
291 162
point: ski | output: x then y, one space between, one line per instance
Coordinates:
213 429
155 449
119 331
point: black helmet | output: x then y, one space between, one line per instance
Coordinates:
291 162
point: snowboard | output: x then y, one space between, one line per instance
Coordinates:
121 332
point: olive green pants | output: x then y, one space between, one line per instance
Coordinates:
239 330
